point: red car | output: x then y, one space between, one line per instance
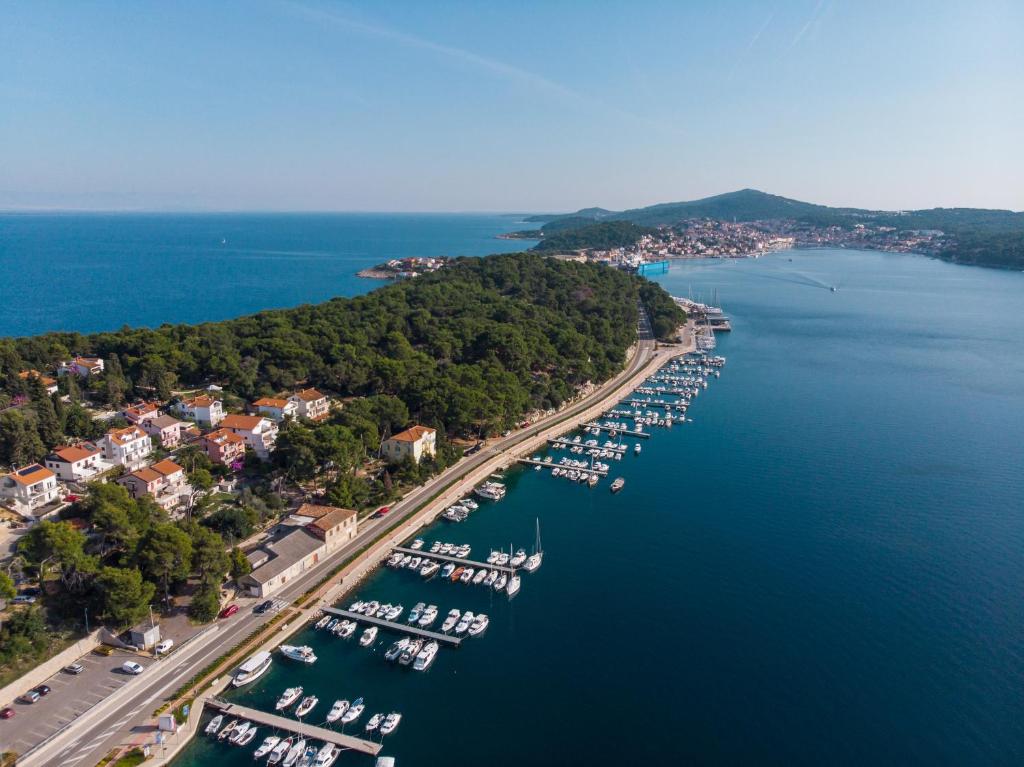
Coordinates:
7 713
228 611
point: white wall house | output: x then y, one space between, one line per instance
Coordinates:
128 447
203 410
29 488
81 366
275 409
259 433
311 404
415 442
79 463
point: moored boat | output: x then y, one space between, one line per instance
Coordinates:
390 723
307 705
214 725
288 697
337 711
426 656
368 636
354 711
303 654
266 747
451 621
252 669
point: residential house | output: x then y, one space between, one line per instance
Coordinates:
165 428
202 409
142 412
49 384
29 487
223 446
275 409
415 442
333 525
128 447
311 404
83 367
78 463
259 433
164 481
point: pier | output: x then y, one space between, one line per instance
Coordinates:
456 560
641 434
294 726
569 443
652 403
401 628
531 462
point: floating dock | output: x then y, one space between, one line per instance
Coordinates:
455 560
294 726
570 443
641 434
531 462
653 403
401 628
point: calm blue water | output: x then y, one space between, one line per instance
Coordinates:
89 272
826 567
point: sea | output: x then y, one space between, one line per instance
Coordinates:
826 566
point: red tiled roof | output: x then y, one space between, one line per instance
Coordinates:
74 453
413 433
243 422
30 475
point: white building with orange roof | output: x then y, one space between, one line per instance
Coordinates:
128 447
311 404
142 412
259 433
275 408
164 481
415 442
202 409
83 367
50 384
78 463
29 488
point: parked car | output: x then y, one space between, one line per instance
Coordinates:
262 607
75 669
228 611
23 599
104 649
42 689
131 667
164 646
29 697
7 713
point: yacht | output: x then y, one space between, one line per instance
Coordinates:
518 558
279 751
534 560
426 656
354 711
417 544
479 625
303 654
451 620
501 582
503 558
298 749
492 576
410 652
390 723
429 568
368 636
266 747
463 551
458 573
415 612
480 575
513 585
492 558
337 711
396 649
435 547
306 706
447 570
227 730
252 669
288 697
618 484
348 629
395 613
214 725
327 755
371 608
247 737
428 617
467 575
239 731
375 722
463 625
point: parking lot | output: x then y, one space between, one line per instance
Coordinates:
69 697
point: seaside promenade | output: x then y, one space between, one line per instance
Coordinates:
125 718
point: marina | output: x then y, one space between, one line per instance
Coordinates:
566 442
398 628
455 560
616 430
550 465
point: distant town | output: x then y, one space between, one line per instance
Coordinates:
401 268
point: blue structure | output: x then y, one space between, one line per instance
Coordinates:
656 267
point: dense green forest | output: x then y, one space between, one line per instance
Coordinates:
602 236
467 349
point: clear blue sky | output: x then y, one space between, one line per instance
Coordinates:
313 105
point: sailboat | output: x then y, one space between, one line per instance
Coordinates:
534 560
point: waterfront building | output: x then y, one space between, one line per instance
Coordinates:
276 409
29 487
128 447
311 404
259 433
202 409
78 463
415 442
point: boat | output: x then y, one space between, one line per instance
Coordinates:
415 612
303 654
470 504
479 625
327 755
429 568
534 560
239 731
446 548
306 706
370 608
322 622
374 722
467 575
463 625
288 697
337 711
428 617
279 751
501 582
492 558
410 652
248 737
426 656
368 636
492 576
396 649
480 575
354 711
390 723
214 725
447 570
394 613
414 563
266 747
383 610
513 585
308 757
228 730
458 573
435 547
252 669
618 484
356 607
297 750
417 544
334 622
518 558
463 551
451 621
348 629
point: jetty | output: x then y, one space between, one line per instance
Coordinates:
569 443
652 403
401 628
641 434
531 462
294 726
457 560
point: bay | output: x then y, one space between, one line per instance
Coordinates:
825 567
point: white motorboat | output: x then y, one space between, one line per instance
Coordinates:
470 504
371 608
348 629
374 722
410 652
368 636
280 750
266 747
451 621
501 582
327 755
304 654
337 711
463 551
429 568
492 576
428 617
426 656
383 610
396 649
417 544
618 484
322 622
503 559
416 612
446 548
479 625
492 558
463 625
356 607
354 711
394 613
480 575
298 749
467 575
390 723
518 558
415 563
228 730
447 570
252 669
307 705
513 586
214 725
239 731
288 697
248 737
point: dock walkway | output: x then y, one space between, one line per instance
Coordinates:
531 462
401 628
642 434
293 726
457 560
569 443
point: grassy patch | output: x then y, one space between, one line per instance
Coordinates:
131 759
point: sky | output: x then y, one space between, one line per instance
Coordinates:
287 105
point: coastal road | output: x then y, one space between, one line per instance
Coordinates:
123 716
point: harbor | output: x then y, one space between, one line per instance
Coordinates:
397 628
456 560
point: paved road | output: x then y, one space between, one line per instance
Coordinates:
91 737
